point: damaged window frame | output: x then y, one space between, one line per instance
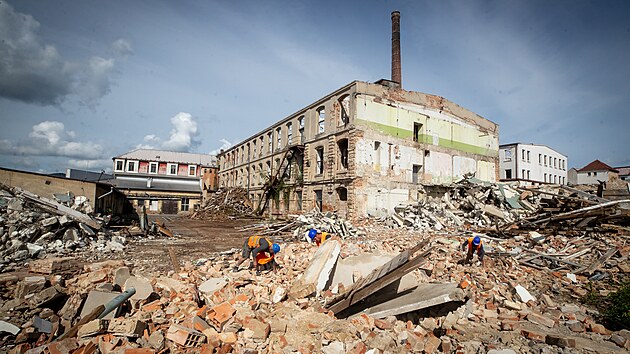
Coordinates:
321 119
319 160
342 147
344 110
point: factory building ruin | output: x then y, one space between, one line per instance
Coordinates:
362 150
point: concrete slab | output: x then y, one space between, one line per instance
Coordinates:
423 296
318 271
364 265
143 287
97 298
209 287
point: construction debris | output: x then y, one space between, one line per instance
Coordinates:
225 203
33 227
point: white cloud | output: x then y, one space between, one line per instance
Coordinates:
122 47
49 138
225 144
32 71
184 134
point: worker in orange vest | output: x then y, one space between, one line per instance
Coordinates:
318 236
471 245
256 247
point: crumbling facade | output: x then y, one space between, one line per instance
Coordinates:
361 150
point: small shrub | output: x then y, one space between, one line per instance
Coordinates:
618 309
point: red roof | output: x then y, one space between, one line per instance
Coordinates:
596 166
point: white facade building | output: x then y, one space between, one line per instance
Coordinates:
532 164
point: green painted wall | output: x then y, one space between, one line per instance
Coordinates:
399 122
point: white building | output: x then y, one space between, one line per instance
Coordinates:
532 164
596 171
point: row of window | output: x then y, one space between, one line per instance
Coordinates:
171 169
543 160
259 173
264 144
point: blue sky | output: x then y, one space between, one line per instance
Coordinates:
83 81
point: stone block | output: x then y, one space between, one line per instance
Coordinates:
30 285
575 326
256 329
600 329
541 320
533 335
93 328
95 299
126 327
432 344
121 275
186 337
143 287
619 340
560 341
512 305
46 296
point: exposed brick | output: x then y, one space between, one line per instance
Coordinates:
533 335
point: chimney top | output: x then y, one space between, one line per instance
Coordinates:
396 65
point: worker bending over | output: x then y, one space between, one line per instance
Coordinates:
318 236
262 251
473 244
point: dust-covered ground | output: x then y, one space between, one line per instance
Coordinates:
193 240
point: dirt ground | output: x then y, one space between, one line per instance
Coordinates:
194 239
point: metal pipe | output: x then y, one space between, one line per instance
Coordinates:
106 194
117 301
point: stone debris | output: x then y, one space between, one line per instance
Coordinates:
31 228
389 291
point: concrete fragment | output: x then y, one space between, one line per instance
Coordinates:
96 298
33 249
49 221
88 230
512 305
209 287
30 285
523 294
126 327
320 266
501 351
335 347
423 296
42 326
93 328
156 340
279 294
256 329
45 296
540 320
121 275
143 287
7 327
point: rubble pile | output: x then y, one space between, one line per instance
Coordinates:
320 301
225 203
471 202
32 227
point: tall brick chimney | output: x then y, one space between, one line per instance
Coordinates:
396 70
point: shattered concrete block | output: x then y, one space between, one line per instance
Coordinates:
320 266
49 221
42 326
95 299
523 294
209 287
279 294
7 327
126 327
541 320
186 337
45 296
156 340
256 329
93 328
143 287
30 285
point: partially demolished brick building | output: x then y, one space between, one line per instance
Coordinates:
362 150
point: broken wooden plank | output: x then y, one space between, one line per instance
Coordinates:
593 267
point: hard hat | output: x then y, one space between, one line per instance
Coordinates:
476 241
312 233
275 248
